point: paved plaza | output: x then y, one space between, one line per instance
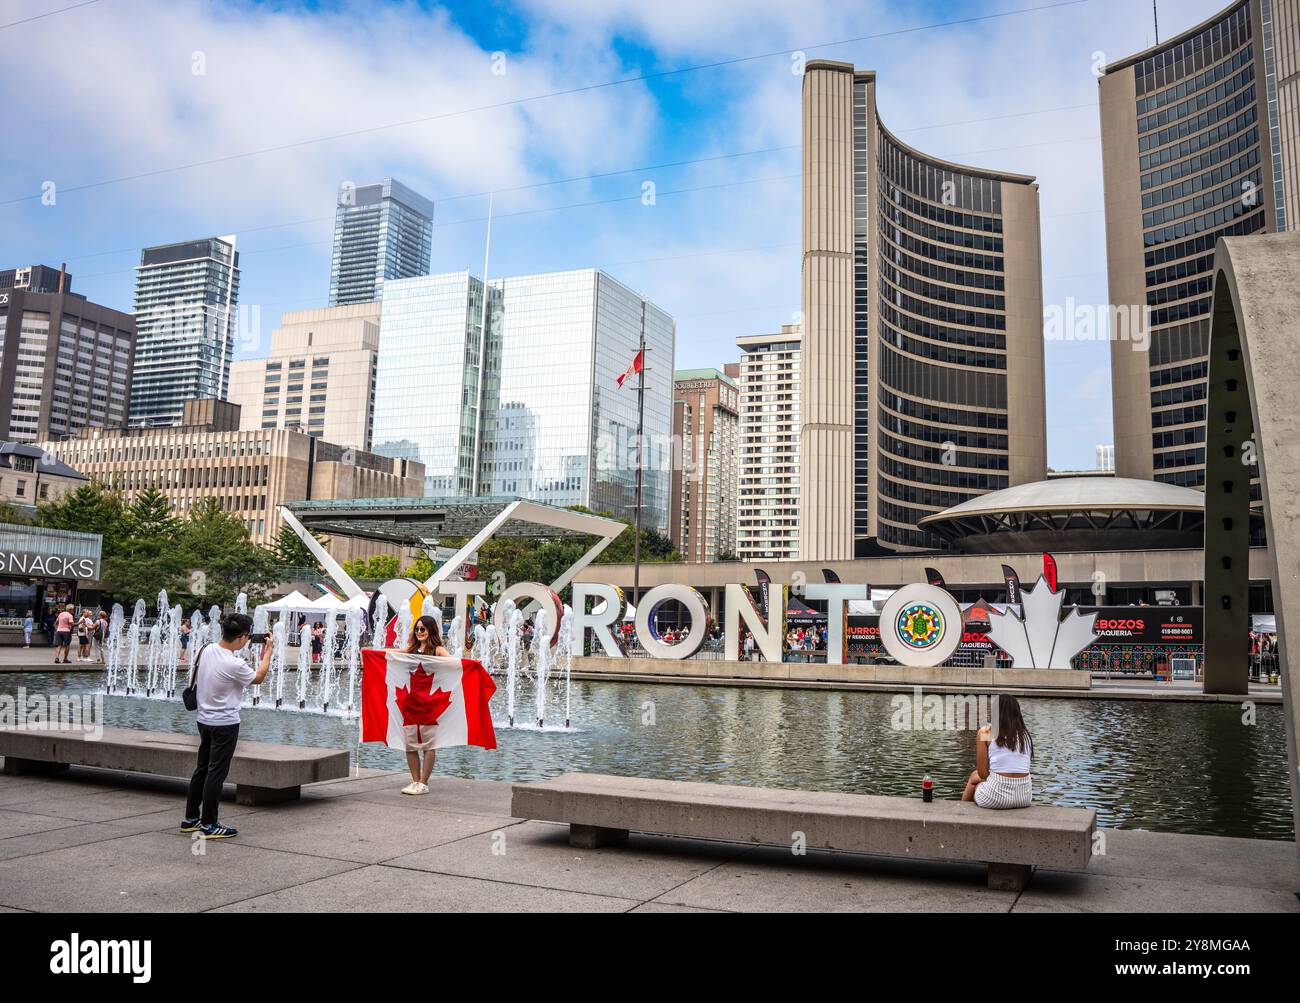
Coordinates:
93 841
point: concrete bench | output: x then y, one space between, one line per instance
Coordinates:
262 772
600 810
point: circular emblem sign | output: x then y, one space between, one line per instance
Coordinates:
921 625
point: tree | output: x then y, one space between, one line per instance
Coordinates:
421 568
291 552
12 514
222 560
148 557
379 568
92 508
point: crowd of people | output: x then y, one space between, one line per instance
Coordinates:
89 630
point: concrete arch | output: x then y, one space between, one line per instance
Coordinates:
1253 403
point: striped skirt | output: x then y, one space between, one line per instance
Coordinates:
1005 792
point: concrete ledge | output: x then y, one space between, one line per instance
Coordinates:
261 771
601 809
720 671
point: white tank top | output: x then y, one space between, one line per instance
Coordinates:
1004 760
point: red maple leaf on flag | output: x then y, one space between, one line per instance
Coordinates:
421 704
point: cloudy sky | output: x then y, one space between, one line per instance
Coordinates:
158 122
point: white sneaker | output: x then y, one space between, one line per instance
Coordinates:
423 788
413 788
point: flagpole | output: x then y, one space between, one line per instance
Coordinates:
475 484
640 447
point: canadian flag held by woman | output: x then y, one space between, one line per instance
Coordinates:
449 696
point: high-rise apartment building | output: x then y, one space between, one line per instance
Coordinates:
705 473
65 363
767 508
381 232
319 377
1200 140
922 382
1106 458
186 302
535 409
250 472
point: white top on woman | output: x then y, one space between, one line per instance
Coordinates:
1004 760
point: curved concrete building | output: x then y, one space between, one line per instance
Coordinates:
922 380
1200 140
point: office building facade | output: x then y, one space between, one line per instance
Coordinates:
186 306
319 377
65 364
705 472
381 232
521 397
36 279
1200 140
767 506
250 472
922 381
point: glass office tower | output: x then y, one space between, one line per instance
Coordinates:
428 376
536 411
381 232
186 298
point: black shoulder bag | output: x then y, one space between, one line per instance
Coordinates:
190 695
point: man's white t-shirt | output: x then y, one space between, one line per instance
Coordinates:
222 678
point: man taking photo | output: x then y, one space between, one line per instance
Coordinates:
220 677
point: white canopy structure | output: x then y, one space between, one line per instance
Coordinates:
329 603
294 602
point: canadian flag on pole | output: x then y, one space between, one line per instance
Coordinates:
448 696
633 369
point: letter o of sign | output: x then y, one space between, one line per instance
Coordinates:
697 611
921 625
399 592
539 594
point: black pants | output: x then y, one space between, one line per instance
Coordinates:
216 750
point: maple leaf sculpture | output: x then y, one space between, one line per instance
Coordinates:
419 702
1041 639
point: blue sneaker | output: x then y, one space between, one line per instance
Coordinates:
218 831
191 824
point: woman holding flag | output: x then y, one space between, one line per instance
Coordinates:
425 639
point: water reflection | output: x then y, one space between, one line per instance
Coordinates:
1171 767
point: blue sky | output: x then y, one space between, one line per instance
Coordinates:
119 89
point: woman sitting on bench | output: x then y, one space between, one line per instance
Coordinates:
1001 778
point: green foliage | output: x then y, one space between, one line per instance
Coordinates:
92 508
223 562
12 514
291 552
421 569
147 556
204 559
381 567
